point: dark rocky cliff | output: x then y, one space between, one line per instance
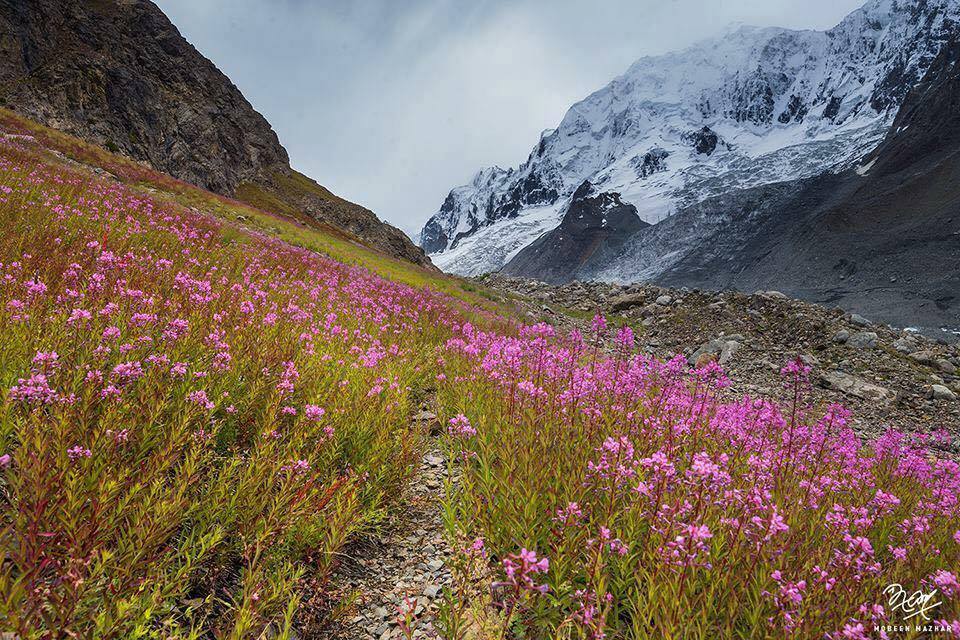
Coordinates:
119 74
594 226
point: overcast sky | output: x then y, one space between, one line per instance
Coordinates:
390 103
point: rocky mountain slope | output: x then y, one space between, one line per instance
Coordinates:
891 378
882 238
753 107
118 73
593 228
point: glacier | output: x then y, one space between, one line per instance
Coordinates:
753 106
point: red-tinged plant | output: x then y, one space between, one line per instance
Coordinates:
667 511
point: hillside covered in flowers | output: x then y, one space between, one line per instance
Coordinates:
203 404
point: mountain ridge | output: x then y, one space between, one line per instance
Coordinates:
756 106
119 74
882 238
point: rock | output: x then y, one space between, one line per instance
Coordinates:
718 349
626 301
703 360
728 350
946 366
841 336
854 386
905 345
431 590
923 357
664 300
710 347
653 309
940 392
863 340
424 416
859 320
810 360
773 295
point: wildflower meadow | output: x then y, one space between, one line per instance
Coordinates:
198 417
612 495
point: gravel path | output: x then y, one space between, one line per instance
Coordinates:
403 568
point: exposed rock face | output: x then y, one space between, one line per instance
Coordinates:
119 74
595 224
704 141
653 161
883 238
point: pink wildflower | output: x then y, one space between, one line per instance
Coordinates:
34 390
460 427
598 324
297 467
199 397
313 412
520 570
946 582
77 452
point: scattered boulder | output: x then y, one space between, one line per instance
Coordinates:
773 295
924 357
810 360
720 349
626 301
905 345
653 309
728 350
664 300
946 366
863 340
854 386
940 392
841 336
859 320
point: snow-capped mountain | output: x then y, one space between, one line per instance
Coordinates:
751 107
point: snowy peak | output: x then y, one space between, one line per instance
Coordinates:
754 106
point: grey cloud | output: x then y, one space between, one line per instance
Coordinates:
391 103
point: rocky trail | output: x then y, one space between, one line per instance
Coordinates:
398 575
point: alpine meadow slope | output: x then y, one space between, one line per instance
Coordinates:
117 73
